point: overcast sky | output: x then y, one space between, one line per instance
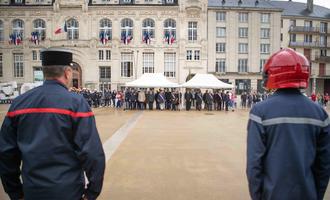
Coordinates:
325 3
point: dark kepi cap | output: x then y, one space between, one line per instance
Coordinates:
56 56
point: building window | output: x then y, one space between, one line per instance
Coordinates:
34 55
265 17
265 33
1 66
292 22
192 31
73 29
148 63
105 73
126 30
197 55
281 37
169 65
127 65
323 27
221 32
292 37
18 27
101 55
148 28
243 48
1 31
105 29
264 48
242 65
281 23
39 26
170 29
220 47
18 65
308 24
308 38
189 54
243 32
220 65
221 16
38 75
262 64
107 54
243 17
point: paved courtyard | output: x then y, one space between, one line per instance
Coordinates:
162 155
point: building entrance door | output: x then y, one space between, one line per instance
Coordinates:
76 76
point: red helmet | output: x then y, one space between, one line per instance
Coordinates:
286 69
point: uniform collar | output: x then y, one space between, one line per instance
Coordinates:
54 82
287 91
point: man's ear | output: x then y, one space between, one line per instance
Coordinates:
68 72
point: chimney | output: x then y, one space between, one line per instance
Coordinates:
240 2
257 2
223 2
310 5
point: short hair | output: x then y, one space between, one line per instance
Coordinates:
54 71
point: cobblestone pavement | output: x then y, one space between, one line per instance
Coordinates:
172 155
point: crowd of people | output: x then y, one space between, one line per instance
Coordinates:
170 99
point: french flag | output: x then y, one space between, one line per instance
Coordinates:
126 38
35 37
146 38
61 29
104 38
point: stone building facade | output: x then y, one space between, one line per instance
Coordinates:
116 41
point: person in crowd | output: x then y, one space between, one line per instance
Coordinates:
209 100
243 100
107 95
188 98
151 99
142 99
326 99
199 100
161 100
128 105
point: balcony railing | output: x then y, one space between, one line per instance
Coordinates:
325 59
308 44
304 29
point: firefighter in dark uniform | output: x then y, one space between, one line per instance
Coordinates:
288 146
52 133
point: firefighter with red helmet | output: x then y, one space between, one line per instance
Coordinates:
288 144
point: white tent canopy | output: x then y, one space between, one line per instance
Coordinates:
152 80
206 81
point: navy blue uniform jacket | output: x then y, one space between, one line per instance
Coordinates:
288 148
53 133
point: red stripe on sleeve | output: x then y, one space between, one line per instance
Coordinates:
51 111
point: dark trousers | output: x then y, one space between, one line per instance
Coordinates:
227 105
198 106
188 105
157 106
151 105
107 102
209 106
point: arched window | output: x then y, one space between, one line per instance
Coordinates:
148 27
106 28
126 30
73 29
1 31
170 30
39 26
18 27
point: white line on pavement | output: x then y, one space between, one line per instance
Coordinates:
112 144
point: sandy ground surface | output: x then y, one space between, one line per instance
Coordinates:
174 155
